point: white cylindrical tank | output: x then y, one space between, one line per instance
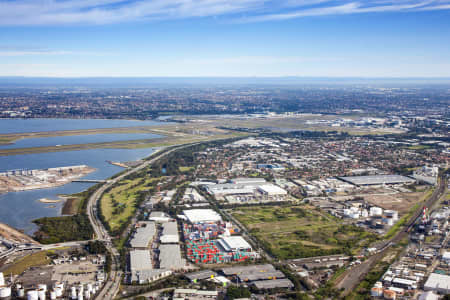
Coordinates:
59 285
58 291
41 294
80 296
73 293
32 295
52 295
5 292
42 287
2 279
89 287
87 294
376 211
21 293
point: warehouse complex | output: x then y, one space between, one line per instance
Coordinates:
377 180
240 190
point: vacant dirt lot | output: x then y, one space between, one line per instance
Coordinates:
401 202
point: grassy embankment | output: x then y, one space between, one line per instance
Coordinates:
301 231
32 260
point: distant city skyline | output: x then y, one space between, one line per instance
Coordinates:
222 38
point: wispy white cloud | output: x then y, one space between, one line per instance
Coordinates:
51 12
7 51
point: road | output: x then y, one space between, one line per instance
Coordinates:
30 247
351 278
111 288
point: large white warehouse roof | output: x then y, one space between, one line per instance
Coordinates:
272 190
202 215
234 243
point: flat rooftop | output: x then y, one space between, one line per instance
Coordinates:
233 243
202 215
377 179
143 235
200 275
275 283
140 260
170 257
272 189
248 269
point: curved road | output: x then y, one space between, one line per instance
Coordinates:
111 288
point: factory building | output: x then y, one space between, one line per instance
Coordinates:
170 257
141 268
377 180
195 216
272 192
234 244
159 217
145 233
244 181
438 283
170 233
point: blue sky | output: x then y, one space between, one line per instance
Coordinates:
341 38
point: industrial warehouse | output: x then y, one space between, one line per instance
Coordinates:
377 180
242 190
209 240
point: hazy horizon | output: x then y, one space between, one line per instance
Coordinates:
223 38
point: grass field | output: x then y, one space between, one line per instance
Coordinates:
301 231
32 260
119 203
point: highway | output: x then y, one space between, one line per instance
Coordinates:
111 288
351 278
30 247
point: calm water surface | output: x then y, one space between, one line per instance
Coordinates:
38 125
20 208
78 139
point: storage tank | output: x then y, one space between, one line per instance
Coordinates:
32 295
87 294
42 287
21 292
52 295
73 293
2 279
41 294
58 285
5 292
376 211
58 291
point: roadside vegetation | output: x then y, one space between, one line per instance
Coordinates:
63 229
67 228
